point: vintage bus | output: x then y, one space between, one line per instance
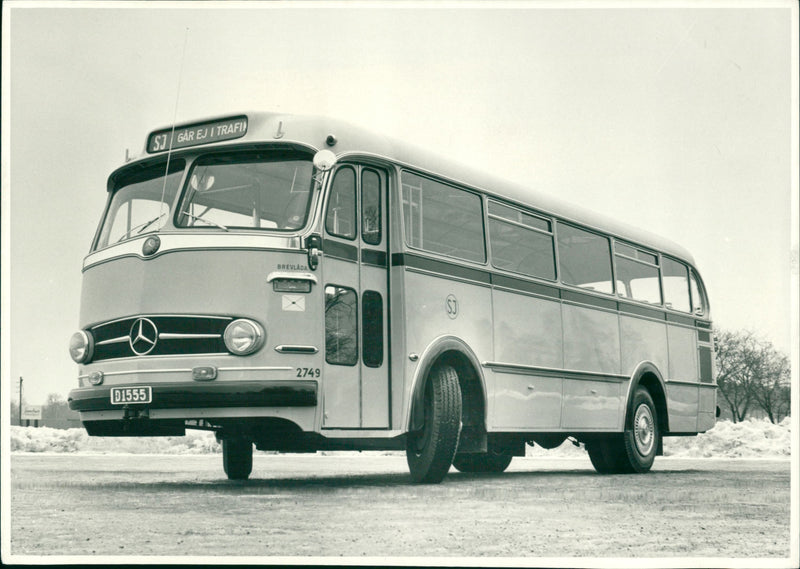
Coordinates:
300 284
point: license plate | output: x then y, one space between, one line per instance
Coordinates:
125 395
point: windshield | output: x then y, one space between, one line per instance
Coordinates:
248 190
140 202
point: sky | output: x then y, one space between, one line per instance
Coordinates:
678 118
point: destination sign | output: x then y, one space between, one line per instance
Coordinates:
193 135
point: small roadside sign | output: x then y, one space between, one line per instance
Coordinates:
31 412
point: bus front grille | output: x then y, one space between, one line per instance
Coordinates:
159 335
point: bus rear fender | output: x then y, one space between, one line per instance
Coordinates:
647 375
449 350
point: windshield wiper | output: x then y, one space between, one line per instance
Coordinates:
143 226
208 221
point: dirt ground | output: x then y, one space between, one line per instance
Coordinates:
364 505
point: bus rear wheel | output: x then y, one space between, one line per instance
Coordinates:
641 441
635 449
430 451
237 458
492 461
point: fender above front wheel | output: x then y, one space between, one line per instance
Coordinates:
430 450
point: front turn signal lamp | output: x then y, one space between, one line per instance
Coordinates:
243 337
81 347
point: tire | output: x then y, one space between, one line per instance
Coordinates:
237 458
635 449
430 451
608 455
641 441
492 461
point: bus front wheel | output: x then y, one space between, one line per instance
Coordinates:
237 458
635 449
430 450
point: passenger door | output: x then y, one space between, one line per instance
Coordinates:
354 270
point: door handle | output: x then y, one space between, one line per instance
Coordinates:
314 246
314 255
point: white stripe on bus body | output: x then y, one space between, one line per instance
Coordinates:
187 239
189 370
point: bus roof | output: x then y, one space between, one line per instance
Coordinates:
315 132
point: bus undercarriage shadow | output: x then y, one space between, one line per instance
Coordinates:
339 481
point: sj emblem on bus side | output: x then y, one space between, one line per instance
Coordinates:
451 305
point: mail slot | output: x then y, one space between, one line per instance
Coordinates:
285 281
291 285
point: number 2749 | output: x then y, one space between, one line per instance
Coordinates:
308 372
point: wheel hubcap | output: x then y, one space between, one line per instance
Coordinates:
644 430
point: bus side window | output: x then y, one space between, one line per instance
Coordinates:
341 326
521 243
698 305
442 219
371 207
676 285
341 218
584 259
638 271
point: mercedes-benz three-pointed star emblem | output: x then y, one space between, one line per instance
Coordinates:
143 336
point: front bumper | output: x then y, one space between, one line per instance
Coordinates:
203 395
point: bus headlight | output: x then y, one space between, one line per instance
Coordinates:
81 347
243 337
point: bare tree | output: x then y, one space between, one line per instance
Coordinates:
751 372
57 414
772 390
733 378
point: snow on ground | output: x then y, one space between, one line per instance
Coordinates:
749 439
758 438
45 439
